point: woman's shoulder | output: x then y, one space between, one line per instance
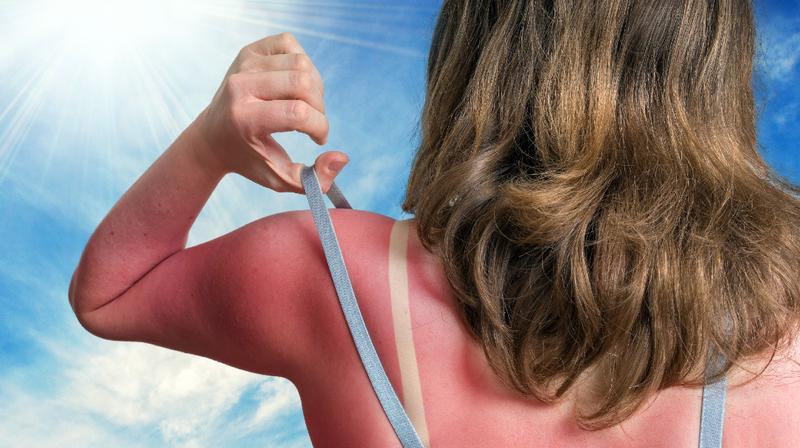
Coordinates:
361 234
346 221
264 299
292 241
355 230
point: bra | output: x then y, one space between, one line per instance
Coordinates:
713 402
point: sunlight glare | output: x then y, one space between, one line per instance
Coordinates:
95 28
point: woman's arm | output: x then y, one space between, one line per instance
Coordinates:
146 226
135 273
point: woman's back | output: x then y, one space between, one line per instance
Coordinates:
463 400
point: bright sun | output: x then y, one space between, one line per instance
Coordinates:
91 29
71 64
138 69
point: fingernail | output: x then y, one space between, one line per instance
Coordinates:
336 166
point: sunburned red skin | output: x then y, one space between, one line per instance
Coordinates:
261 297
465 404
274 311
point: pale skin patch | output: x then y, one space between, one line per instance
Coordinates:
403 331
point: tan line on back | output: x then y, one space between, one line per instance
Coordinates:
401 316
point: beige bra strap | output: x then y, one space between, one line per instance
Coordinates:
403 332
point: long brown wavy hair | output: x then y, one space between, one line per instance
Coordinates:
588 172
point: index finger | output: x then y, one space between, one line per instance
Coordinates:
283 43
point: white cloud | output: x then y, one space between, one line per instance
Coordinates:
26 421
109 386
276 398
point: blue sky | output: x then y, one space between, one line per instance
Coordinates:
91 95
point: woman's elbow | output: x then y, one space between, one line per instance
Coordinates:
87 318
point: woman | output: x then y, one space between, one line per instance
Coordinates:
592 223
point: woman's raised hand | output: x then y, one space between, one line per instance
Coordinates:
272 86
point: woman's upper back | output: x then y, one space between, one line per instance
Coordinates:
261 299
463 401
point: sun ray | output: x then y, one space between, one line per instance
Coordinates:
279 26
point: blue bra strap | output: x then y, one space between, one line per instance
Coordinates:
712 412
344 289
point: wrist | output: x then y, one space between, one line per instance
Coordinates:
194 141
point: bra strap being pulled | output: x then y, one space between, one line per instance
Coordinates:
355 321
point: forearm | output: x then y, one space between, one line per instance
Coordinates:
280 91
150 222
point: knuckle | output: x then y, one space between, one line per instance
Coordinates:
247 64
301 81
302 62
297 111
245 52
286 37
234 83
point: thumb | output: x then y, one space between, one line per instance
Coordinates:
328 165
